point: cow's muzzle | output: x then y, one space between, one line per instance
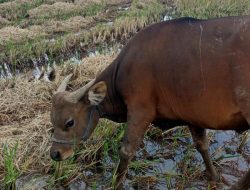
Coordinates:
60 153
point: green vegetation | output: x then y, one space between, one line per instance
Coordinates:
64 172
212 9
124 26
139 9
94 8
64 11
19 10
3 1
11 172
111 145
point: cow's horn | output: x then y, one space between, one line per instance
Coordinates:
78 94
64 83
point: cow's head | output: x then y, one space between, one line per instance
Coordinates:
74 115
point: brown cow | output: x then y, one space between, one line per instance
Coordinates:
184 71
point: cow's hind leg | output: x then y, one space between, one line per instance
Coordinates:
244 183
241 87
201 143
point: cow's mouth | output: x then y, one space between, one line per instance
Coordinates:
61 154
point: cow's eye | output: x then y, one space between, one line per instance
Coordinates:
69 123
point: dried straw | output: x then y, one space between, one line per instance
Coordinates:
73 24
15 34
46 10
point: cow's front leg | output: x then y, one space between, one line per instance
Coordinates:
201 143
138 123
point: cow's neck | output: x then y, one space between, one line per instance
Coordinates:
112 107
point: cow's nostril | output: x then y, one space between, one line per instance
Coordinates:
55 155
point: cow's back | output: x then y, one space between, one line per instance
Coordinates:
185 69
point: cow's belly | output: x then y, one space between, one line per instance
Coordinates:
206 111
215 120
229 121
235 122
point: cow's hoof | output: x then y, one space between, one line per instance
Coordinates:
212 185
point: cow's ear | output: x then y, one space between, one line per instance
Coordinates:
97 93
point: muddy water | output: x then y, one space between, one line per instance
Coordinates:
171 162
177 165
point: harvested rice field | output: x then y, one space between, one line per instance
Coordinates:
41 42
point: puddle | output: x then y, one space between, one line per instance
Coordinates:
5 71
169 164
8 71
41 67
167 17
124 7
169 161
